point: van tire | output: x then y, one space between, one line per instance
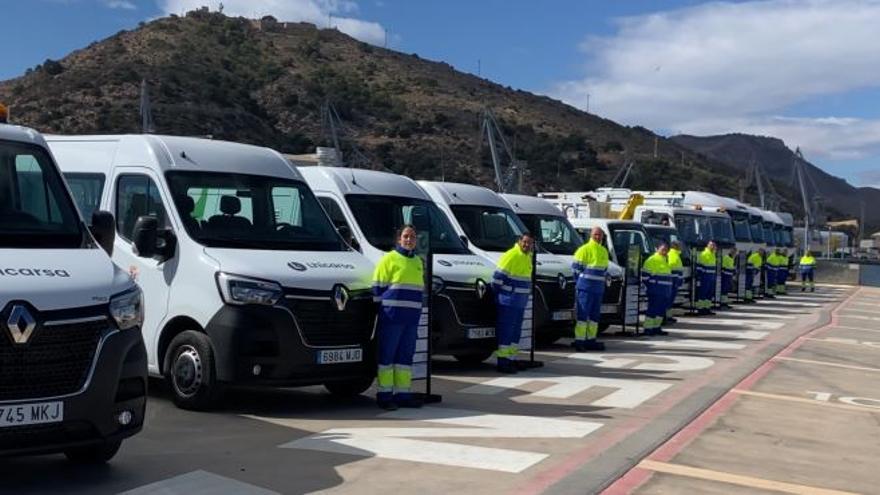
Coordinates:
473 359
547 338
604 325
350 388
93 454
191 372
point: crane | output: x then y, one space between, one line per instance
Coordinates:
509 180
332 128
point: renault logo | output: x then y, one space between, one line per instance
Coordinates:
481 288
297 266
562 281
20 324
340 297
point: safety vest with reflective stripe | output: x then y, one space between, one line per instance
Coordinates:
807 263
656 272
755 260
706 261
398 285
728 266
589 266
512 280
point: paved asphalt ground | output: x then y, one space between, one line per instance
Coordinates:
779 395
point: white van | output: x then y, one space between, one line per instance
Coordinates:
560 239
245 278
371 206
491 228
73 369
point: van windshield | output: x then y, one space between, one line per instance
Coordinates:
252 212
659 234
379 217
787 239
623 236
489 228
741 226
694 229
722 230
757 230
554 233
35 209
769 238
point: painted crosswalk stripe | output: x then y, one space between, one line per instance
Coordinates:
199 483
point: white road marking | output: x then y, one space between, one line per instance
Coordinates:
629 393
729 334
686 344
781 302
199 483
859 317
732 322
646 362
402 444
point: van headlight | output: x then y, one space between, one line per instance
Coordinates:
235 289
127 309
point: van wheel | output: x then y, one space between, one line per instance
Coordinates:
349 388
603 325
192 373
547 338
473 359
93 454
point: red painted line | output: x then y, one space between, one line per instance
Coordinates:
636 476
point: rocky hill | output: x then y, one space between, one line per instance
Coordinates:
840 199
265 82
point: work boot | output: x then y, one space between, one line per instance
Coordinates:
656 332
506 367
520 365
409 401
670 320
593 345
387 405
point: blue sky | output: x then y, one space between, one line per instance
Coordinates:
807 71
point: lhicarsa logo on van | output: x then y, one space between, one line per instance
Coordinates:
33 272
301 267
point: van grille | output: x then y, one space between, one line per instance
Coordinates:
470 310
323 325
56 361
555 296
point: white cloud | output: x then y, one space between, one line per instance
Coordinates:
120 4
319 12
735 67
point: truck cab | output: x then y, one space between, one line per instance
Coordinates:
739 214
557 237
371 206
483 218
73 368
246 281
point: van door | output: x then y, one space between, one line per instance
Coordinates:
136 193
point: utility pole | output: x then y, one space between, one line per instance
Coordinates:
146 111
656 143
588 102
798 167
479 68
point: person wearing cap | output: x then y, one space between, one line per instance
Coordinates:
512 283
807 266
658 280
589 266
398 286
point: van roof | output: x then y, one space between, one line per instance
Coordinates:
712 200
166 153
17 133
530 205
359 181
453 193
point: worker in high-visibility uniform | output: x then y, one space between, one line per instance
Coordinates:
677 267
589 266
753 268
807 266
398 286
512 283
706 278
774 264
782 271
657 277
728 274
770 270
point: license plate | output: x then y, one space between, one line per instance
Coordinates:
608 308
481 333
334 356
562 315
31 414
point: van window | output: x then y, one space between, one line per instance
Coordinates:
251 212
554 233
35 209
137 196
489 228
334 212
86 190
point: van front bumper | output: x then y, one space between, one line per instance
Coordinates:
118 383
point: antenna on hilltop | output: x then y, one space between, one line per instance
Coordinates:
147 126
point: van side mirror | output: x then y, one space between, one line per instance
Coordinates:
464 240
103 229
145 236
348 237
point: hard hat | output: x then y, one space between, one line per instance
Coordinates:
4 113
